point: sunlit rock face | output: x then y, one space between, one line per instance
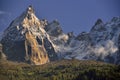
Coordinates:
25 40
34 52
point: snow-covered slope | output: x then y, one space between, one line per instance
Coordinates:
101 43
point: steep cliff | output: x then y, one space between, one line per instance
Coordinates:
26 40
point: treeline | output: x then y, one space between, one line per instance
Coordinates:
60 70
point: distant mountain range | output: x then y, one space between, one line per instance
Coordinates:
29 39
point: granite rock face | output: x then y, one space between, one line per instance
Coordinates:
25 40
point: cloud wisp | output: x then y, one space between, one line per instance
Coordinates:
6 13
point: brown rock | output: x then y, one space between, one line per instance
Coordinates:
37 53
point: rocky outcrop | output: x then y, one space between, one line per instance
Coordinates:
83 36
2 55
54 28
34 52
98 26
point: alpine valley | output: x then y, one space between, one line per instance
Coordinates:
34 49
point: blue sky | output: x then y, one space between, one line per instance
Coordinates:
73 15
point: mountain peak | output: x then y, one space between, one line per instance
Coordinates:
30 9
99 21
31 41
99 25
30 12
116 19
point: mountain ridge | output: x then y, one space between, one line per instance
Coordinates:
51 43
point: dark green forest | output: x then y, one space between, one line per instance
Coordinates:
59 70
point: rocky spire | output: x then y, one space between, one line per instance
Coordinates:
98 26
27 40
30 12
99 21
30 9
71 34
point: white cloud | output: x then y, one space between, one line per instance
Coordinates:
2 12
108 48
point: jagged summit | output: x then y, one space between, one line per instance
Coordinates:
26 40
54 28
30 12
98 26
116 19
27 21
30 9
99 21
